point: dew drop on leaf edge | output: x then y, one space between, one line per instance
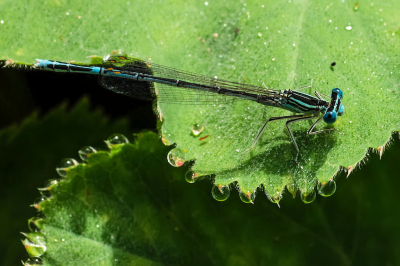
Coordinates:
65 165
33 262
176 157
308 198
34 223
220 192
85 152
274 199
247 197
38 201
191 177
35 243
116 139
326 189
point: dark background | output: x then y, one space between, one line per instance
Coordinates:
23 91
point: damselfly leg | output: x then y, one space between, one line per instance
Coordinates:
318 94
293 119
307 86
311 132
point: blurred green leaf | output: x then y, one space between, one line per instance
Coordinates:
29 154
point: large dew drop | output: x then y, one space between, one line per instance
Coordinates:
176 157
247 197
326 189
191 177
35 244
65 165
220 192
116 139
85 152
308 198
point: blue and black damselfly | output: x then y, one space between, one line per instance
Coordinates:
135 77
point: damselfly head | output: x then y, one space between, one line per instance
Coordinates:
335 108
338 91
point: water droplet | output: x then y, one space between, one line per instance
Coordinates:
35 224
326 189
348 27
49 185
45 192
85 152
52 183
116 139
65 165
191 177
164 140
247 197
308 198
37 202
197 129
35 244
220 192
33 262
176 157
274 199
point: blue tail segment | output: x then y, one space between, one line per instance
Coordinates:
66 67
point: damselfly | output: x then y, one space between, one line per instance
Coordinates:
135 77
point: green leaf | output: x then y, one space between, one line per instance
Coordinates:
130 207
282 43
30 152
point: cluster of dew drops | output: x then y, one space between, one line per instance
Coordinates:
35 242
177 157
